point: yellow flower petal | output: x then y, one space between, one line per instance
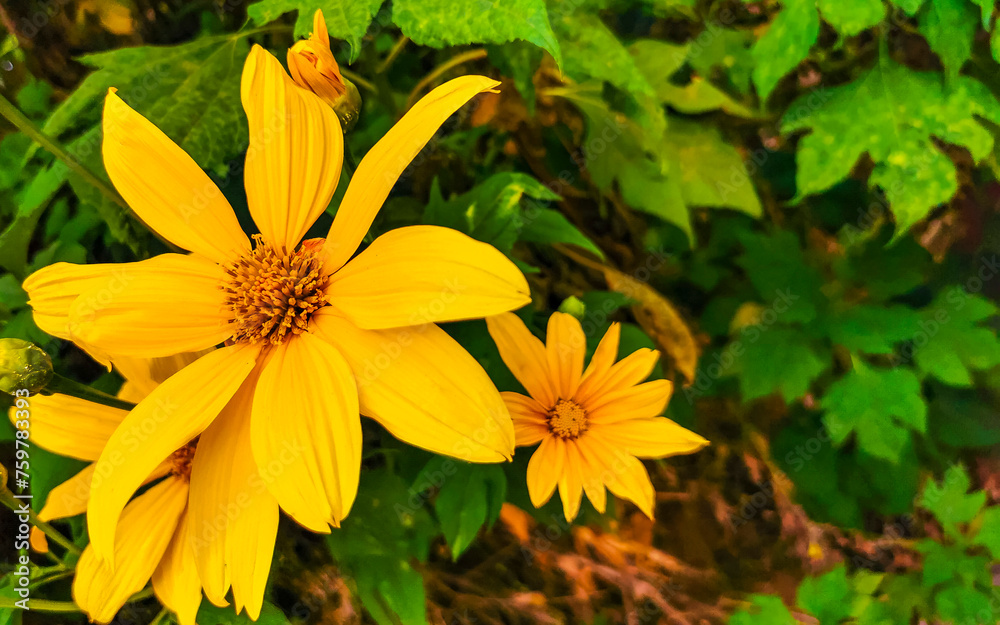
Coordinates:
70 426
234 518
69 498
166 188
626 373
52 291
423 387
145 374
296 151
624 475
602 360
175 580
173 414
545 469
426 274
635 402
650 438
524 355
593 485
571 481
382 166
565 349
305 419
529 417
147 526
168 304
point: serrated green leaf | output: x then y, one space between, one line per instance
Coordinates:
712 172
989 531
961 604
345 19
949 342
871 329
949 26
779 271
892 113
780 360
785 44
880 406
592 50
944 563
986 11
850 17
950 501
441 23
826 597
392 592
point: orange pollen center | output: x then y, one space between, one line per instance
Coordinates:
181 460
568 419
271 293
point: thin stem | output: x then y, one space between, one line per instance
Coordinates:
59 384
161 617
25 125
465 57
358 80
42 605
395 52
7 498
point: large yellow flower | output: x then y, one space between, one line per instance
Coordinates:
312 336
154 538
593 424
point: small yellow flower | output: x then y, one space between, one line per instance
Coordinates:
593 424
156 535
313 67
311 334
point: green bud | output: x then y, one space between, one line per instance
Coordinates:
23 365
574 306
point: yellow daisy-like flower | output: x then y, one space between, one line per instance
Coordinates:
154 536
593 424
312 336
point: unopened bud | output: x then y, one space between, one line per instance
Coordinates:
23 365
313 67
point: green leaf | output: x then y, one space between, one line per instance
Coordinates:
190 91
392 591
986 9
989 531
850 17
728 53
826 597
785 44
345 19
880 406
544 225
763 610
961 604
910 7
943 563
657 60
780 359
700 96
16 237
469 496
592 50
949 342
949 500
492 211
209 614
441 23
779 271
871 329
961 418
949 26
711 172
891 113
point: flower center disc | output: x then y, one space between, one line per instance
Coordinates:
181 460
568 419
272 293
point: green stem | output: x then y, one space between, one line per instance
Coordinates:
25 125
7 498
59 384
42 605
358 80
397 49
160 618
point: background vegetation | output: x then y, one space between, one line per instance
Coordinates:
795 201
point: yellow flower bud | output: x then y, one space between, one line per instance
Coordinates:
313 67
23 365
